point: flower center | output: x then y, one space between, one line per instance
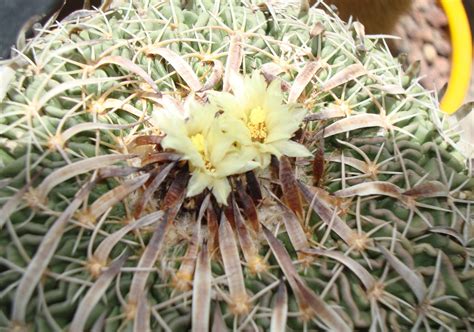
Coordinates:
256 124
200 145
208 166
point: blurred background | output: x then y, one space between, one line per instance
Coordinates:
424 36
423 29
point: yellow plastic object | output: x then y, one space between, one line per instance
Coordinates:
461 58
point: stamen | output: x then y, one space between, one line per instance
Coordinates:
256 124
200 144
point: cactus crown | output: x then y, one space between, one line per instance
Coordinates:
170 165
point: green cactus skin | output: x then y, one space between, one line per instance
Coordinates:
387 236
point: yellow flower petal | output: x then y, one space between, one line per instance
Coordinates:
198 182
183 145
236 83
291 149
221 190
237 163
219 147
170 122
200 117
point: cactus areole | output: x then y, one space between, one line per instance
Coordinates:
201 165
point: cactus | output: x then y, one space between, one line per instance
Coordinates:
357 216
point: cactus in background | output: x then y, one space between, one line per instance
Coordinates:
226 165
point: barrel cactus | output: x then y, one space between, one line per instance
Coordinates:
201 165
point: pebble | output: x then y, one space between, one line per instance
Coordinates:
426 35
443 47
442 65
429 51
436 17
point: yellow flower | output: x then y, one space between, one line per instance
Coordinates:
207 139
269 123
